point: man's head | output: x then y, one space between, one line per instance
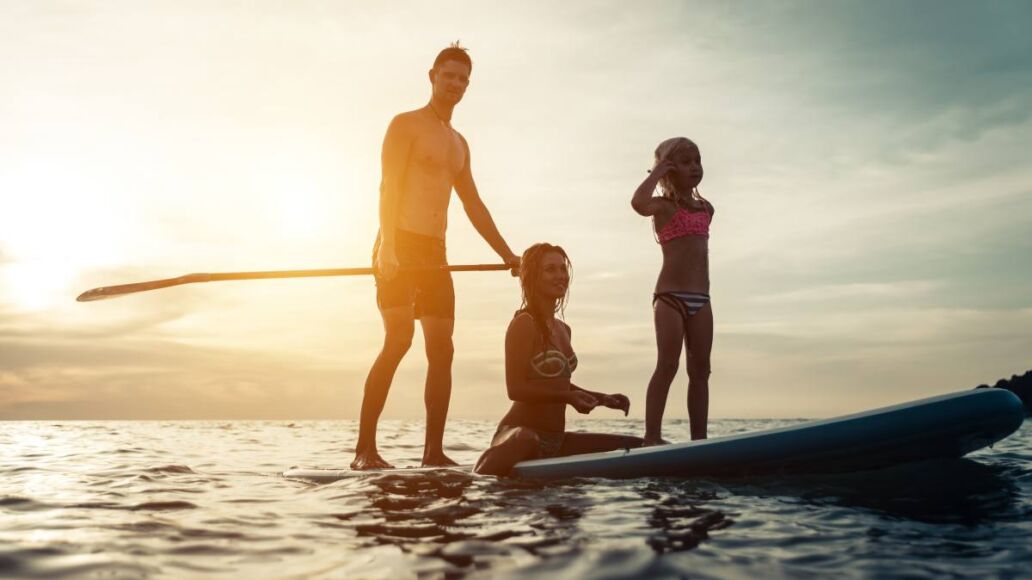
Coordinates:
450 75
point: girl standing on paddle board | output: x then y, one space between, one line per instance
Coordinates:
681 302
539 364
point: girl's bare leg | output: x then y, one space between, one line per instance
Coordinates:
669 334
698 340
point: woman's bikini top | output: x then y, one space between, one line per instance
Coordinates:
551 363
686 223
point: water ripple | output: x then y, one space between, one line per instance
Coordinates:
174 499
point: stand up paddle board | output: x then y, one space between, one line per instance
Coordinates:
946 426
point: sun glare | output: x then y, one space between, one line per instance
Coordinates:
37 285
299 216
298 196
54 230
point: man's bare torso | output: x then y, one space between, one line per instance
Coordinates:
436 160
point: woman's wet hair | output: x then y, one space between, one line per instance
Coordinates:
666 150
530 274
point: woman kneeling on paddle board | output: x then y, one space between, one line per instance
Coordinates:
539 362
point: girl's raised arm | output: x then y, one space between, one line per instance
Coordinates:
643 201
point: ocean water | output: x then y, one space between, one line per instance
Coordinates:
206 499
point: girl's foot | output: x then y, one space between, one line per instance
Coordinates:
652 441
438 459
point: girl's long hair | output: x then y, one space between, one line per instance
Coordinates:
530 273
666 150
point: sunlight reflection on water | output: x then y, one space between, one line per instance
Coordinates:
131 499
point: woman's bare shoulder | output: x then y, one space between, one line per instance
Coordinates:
521 321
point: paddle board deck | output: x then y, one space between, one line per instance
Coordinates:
946 426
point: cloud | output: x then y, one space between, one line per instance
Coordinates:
128 379
830 363
868 163
835 292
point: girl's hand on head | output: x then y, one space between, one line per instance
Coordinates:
663 167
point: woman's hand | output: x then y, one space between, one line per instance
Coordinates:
618 402
582 401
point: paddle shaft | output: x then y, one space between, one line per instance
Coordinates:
105 292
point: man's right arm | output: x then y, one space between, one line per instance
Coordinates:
393 160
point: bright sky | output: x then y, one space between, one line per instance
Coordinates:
868 162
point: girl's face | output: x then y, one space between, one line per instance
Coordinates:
687 173
554 279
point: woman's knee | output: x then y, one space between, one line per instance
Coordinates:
524 437
519 444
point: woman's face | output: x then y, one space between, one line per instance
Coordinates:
554 278
687 173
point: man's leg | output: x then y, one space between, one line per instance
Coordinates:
437 332
399 324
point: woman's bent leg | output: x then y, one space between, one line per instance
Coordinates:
577 443
669 334
507 449
699 344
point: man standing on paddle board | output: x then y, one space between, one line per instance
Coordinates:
423 159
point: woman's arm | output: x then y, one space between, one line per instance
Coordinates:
616 401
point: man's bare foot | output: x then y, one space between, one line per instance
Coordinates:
650 442
438 459
369 460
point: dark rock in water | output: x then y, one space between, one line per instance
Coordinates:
1020 386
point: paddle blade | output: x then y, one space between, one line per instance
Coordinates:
105 292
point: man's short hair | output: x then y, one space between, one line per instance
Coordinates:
456 53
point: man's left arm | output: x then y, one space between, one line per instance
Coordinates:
478 214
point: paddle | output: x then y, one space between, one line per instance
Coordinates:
105 292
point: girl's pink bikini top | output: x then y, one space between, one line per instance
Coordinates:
685 223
